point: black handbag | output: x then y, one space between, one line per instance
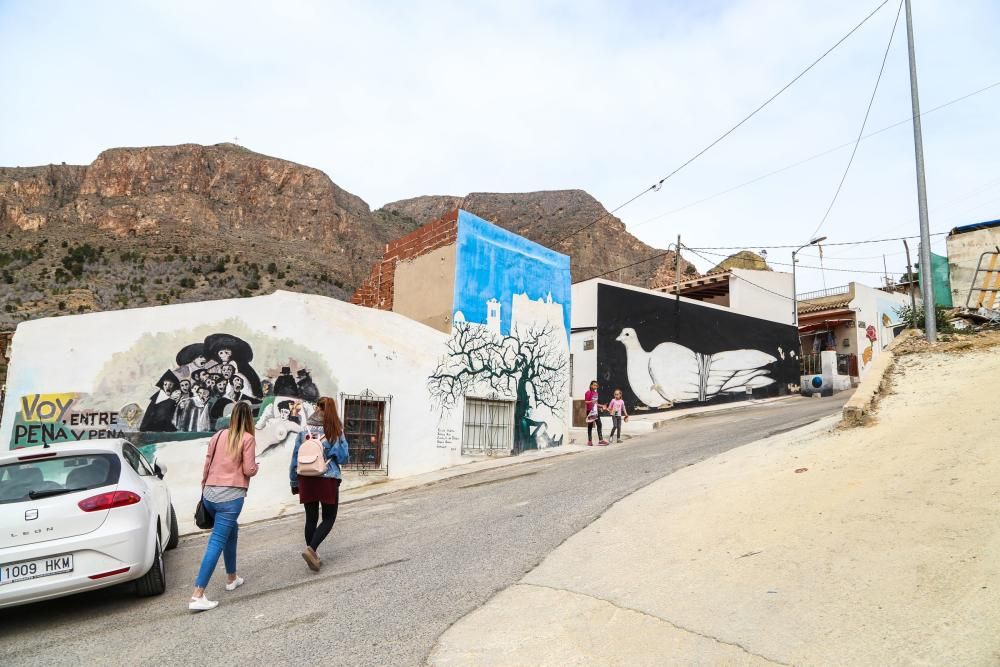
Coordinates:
202 518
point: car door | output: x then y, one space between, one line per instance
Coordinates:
158 494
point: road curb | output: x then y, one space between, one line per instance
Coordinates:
874 384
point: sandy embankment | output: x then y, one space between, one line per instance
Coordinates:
884 550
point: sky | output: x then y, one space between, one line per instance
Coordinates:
399 99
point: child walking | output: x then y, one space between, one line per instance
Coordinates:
618 412
591 399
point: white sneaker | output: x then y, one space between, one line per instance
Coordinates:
233 585
202 604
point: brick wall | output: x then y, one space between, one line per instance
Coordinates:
377 290
5 338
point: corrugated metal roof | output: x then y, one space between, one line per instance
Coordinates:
974 227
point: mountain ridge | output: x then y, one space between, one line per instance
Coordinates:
167 224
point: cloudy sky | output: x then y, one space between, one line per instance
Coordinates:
399 99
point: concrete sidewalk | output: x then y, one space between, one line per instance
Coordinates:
821 546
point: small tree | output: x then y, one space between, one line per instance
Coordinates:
914 319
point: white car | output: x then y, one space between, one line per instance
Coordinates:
79 516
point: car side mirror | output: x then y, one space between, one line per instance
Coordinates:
160 469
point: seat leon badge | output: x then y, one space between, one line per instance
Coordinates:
30 515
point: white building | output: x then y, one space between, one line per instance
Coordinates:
93 375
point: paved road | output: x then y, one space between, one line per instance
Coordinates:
399 569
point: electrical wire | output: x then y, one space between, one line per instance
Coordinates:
801 266
796 245
656 186
864 123
664 253
811 158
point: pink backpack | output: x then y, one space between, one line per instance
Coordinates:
310 461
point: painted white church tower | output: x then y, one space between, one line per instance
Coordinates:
493 315
525 311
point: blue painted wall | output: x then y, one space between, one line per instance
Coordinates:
493 263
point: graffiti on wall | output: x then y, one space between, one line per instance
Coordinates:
47 418
510 329
193 383
662 354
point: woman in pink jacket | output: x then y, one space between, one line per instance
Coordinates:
229 465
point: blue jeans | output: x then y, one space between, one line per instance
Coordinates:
222 541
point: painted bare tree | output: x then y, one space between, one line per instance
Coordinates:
526 365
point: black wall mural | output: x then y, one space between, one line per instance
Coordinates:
211 375
662 356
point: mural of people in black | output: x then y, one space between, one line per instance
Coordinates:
226 349
308 391
159 415
214 374
285 384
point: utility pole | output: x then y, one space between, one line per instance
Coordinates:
677 290
926 286
909 275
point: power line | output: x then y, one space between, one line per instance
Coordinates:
656 186
705 249
801 266
811 158
864 122
796 245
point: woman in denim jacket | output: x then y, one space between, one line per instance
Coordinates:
323 490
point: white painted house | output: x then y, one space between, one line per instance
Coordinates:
99 374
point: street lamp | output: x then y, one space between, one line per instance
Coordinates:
795 296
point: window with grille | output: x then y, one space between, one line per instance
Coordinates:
488 427
366 426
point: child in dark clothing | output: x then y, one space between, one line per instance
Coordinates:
591 399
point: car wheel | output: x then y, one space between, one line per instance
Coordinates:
174 534
153 582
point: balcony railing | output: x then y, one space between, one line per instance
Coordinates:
823 293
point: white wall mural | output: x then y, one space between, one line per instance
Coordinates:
672 373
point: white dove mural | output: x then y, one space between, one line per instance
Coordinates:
672 373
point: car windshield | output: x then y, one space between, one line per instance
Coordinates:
22 481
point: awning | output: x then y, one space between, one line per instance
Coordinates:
826 325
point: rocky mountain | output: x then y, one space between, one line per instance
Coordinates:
154 225
554 219
143 226
744 259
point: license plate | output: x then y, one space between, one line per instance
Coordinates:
11 573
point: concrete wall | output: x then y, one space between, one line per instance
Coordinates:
878 322
964 251
763 294
94 375
425 288
583 348
828 381
584 294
